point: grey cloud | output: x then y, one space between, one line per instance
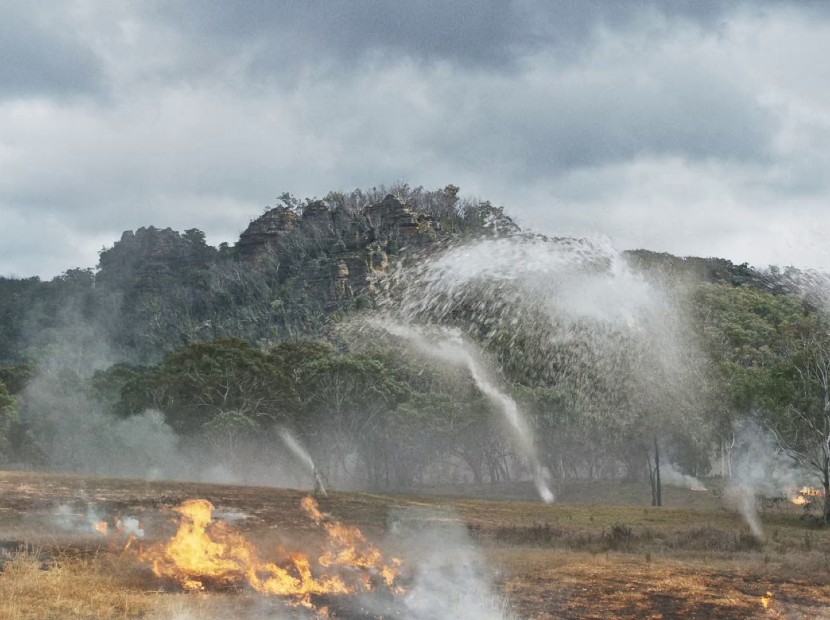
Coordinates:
277 38
532 104
40 56
44 55
46 252
586 121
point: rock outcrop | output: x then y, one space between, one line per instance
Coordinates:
151 251
333 255
264 234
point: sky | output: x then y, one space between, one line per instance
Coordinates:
692 127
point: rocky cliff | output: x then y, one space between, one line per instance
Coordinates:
332 254
153 252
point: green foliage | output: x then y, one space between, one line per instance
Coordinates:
774 353
746 326
17 297
108 386
16 376
9 416
204 379
749 333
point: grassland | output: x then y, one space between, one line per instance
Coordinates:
598 553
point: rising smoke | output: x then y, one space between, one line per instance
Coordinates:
71 432
759 469
451 577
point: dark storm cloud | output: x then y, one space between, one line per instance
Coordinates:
40 56
277 37
285 34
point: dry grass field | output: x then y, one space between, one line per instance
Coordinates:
578 558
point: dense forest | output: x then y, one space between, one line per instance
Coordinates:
173 358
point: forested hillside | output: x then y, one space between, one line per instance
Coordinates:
177 359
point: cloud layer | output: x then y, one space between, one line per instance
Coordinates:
690 127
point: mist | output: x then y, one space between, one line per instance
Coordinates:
70 431
760 469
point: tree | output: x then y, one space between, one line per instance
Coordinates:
204 379
8 417
347 399
797 401
774 358
747 334
228 432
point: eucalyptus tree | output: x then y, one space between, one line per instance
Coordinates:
796 399
8 417
347 399
198 382
750 337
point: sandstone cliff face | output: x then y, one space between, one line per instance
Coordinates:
264 234
290 271
332 255
151 251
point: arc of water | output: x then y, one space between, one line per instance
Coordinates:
453 349
293 444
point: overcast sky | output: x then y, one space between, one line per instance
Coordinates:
697 128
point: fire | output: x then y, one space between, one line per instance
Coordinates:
805 495
206 553
128 528
347 547
766 600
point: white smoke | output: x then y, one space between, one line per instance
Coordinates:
129 526
669 475
452 581
71 432
759 468
87 518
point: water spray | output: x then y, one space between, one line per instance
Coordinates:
293 444
447 345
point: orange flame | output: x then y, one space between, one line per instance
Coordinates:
805 495
206 553
101 527
347 547
766 600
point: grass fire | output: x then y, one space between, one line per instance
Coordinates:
209 554
258 552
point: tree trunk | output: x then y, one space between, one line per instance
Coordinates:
658 485
726 457
654 477
825 481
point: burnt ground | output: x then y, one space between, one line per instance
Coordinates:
577 570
